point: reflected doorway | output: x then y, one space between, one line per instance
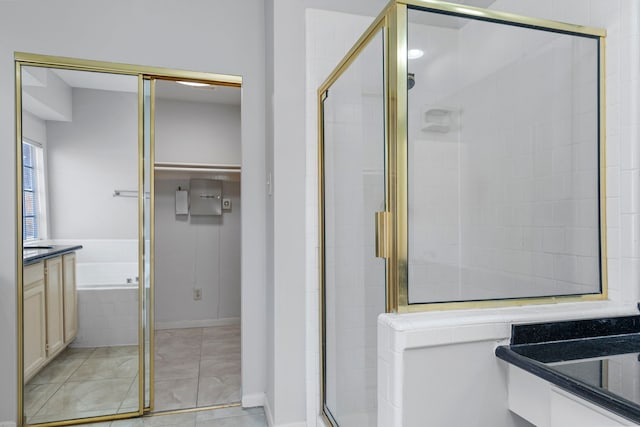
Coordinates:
197 218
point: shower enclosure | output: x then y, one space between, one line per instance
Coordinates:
461 162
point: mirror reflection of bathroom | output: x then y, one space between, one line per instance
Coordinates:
197 245
80 250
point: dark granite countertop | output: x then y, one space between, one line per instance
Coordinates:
576 356
33 254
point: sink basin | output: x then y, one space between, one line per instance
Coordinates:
38 247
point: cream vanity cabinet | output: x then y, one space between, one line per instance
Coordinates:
70 297
35 323
49 310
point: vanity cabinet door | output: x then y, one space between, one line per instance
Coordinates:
34 324
55 316
70 297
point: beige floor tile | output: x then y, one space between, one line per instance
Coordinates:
218 390
221 331
178 369
76 353
175 353
36 395
102 396
119 351
216 367
182 332
175 394
197 366
170 420
254 420
106 368
58 371
221 356
252 417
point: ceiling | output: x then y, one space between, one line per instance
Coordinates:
374 7
165 89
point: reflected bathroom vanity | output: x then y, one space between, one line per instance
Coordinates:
50 304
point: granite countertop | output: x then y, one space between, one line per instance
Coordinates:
580 357
34 253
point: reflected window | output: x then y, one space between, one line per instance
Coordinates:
33 195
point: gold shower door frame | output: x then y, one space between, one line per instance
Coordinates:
146 155
392 224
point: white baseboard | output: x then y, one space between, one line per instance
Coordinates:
253 400
196 324
7 424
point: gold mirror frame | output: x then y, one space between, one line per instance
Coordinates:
392 225
142 73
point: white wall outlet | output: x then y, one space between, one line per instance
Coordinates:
197 294
226 204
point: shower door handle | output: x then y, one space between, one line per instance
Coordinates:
383 228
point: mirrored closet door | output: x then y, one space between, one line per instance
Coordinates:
78 148
85 224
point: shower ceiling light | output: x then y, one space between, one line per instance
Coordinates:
414 53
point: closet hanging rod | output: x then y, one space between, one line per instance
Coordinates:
196 167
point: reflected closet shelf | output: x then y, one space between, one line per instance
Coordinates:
186 170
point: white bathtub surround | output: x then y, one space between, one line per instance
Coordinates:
107 303
107 316
107 274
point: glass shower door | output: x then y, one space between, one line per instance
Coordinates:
353 188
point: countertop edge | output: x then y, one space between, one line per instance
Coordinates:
602 398
50 254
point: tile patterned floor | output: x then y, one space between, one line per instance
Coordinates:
228 417
194 367
83 382
197 367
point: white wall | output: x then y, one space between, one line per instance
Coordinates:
285 403
196 252
195 132
87 159
197 41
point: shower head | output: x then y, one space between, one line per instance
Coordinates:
411 80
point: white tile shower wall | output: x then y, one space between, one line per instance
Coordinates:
329 35
522 215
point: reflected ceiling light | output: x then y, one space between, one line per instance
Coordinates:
196 84
468 11
414 53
